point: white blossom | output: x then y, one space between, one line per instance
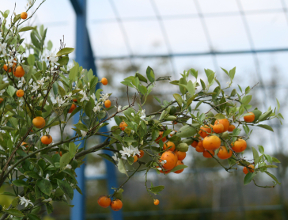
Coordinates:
52 58
115 157
104 97
97 108
84 96
142 114
47 200
68 166
47 176
129 151
24 201
83 133
119 108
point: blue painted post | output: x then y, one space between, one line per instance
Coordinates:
78 211
85 58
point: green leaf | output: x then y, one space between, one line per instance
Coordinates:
7 194
121 167
210 76
74 72
249 176
156 189
178 167
49 45
45 186
31 59
6 13
266 127
11 90
142 89
273 177
193 72
191 88
150 74
27 28
232 73
246 99
178 98
255 156
48 158
67 189
275 160
64 51
261 149
265 115
81 126
107 157
63 61
14 212
141 77
202 84
98 93
186 131
32 174
33 217
182 85
72 149
20 183
65 159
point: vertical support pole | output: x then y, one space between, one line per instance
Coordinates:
78 211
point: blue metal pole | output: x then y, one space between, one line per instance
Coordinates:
78 211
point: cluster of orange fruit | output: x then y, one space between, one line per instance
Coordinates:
207 142
171 157
105 202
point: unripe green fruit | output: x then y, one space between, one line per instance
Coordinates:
187 141
225 135
170 118
172 110
183 147
257 114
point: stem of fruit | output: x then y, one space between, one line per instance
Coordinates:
140 163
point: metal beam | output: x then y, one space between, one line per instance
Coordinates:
77 6
274 50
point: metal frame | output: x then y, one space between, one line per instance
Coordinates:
85 57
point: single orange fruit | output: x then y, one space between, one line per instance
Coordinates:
207 154
170 158
38 122
107 103
181 155
249 118
24 144
123 125
231 128
224 122
71 109
19 71
223 153
156 201
135 159
200 149
1 100
46 139
24 15
160 137
141 154
218 128
74 100
211 143
194 144
239 145
169 145
104 201
250 169
20 93
104 81
116 205
60 153
204 131
5 67
179 162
